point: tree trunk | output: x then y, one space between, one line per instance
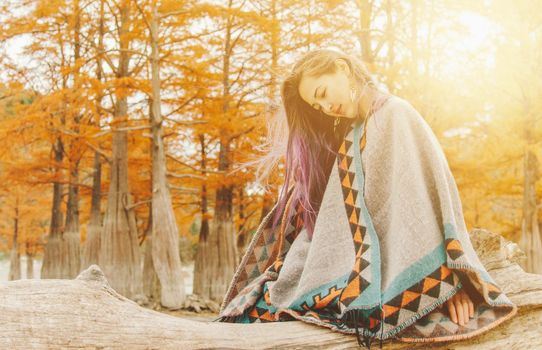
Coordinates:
530 241
165 234
91 247
221 243
72 237
92 243
33 310
242 233
151 283
71 242
119 255
201 284
52 256
29 266
414 33
221 248
365 8
15 256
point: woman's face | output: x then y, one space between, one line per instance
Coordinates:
329 92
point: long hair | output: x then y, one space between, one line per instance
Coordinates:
304 136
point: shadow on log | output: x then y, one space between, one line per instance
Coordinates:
87 313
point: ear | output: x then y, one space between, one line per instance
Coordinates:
343 65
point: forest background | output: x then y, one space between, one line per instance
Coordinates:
120 120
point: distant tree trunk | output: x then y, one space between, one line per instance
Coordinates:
414 44
119 255
15 257
151 283
430 32
365 8
30 253
72 238
52 257
222 248
165 234
242 230
390 39
29 266
91 247
530 241
201 282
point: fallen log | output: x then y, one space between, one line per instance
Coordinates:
86 313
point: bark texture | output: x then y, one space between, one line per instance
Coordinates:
201 282
15 256
165 234
119 255
87 313
91 246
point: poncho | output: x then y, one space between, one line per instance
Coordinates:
390 245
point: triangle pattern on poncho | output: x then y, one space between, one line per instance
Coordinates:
364 234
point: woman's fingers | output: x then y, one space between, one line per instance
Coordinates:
465 301
451 310
459 310
471 308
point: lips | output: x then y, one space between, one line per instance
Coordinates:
338 109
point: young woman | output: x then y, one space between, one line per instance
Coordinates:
341 94
368 234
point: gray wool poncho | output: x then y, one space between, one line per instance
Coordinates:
390 245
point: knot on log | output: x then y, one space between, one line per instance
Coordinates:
93 274
494 250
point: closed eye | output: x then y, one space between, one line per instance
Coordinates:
317 107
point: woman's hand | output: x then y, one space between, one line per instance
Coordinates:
460 307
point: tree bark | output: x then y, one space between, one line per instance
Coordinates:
91 246
151 283
530 242
165 233
119 254
71 242
221 249
29 266
87 313
365 8
52 256
15 256
201 283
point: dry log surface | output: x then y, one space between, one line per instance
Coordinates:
86 313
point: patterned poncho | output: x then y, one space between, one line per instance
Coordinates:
389 246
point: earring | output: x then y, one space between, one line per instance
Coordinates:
336 123
352 94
